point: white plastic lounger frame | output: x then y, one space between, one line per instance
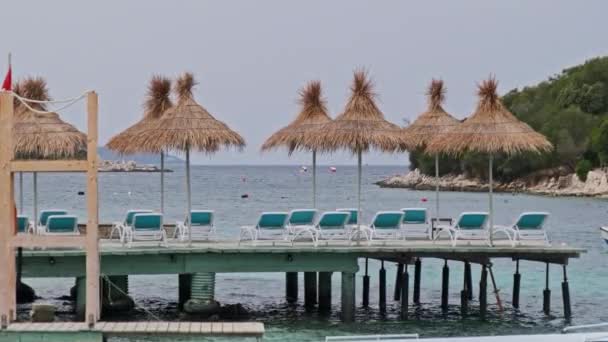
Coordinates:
333 225
529 225
271 225
385 225
146 227
415 223
40 226
202 226
469 225
120 227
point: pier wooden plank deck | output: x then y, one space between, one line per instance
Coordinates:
250 329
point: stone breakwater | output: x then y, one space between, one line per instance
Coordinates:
127 166
553 182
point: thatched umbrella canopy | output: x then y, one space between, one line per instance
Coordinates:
186 126
38 134
312 116
157 101
491 129
360 127
43 135
430 124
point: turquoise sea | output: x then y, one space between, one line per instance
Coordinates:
574 221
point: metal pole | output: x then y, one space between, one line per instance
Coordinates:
491 203
35 201
437 187
359 215
20 192
162 182
314 179
189 195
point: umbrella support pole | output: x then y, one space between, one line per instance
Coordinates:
314 179
35 180
188 191
20 192
437 187
162 182
491 200
359 216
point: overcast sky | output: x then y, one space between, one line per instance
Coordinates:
251 57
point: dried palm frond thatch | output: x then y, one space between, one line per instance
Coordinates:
491 129
306 125
361 126
434 121
187 126
43 135
157 101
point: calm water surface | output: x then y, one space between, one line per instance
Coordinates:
573 221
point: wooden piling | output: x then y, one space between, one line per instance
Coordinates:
405 284
348 296
566 296
483 292
291 287
325 291
417 275
81 297
516 285
382 288
547 294
398 279
445 284
310 289
184 290
464 294
366 286
468 278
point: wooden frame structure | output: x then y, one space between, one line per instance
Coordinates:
8 238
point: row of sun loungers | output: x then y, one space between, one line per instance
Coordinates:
305 224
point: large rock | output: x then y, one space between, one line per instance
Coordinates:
43 312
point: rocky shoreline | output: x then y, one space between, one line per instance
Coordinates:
553 182
127 166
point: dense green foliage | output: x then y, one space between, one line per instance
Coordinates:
570 109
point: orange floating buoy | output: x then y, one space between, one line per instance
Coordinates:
332 169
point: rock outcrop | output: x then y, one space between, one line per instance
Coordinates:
553 182
127 166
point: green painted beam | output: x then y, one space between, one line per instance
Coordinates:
74 265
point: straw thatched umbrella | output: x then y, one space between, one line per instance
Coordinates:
431 123
187 126
360 127
491 129
157 102
38 134
306 126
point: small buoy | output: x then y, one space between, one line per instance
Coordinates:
424 199
245 196
243 179
332 169
80 193
303 169
129 193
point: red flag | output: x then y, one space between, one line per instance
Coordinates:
8 80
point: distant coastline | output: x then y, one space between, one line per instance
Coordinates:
127 166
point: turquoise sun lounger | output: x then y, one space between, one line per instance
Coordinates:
120 227
415 223
43 218
146 227
201 223
272 225
528 226
61 225
469 225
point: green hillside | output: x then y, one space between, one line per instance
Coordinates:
569 108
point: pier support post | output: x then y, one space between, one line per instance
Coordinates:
310 289
398 283
366 286
417 274
445 284
291 287
81 297
468 278
547 294
183 295
516 284
483 292
324 291
405 284
382 288
348 297
566 295
202 295
464 294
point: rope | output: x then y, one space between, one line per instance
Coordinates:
68 103
106 278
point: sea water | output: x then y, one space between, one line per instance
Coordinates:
573 221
